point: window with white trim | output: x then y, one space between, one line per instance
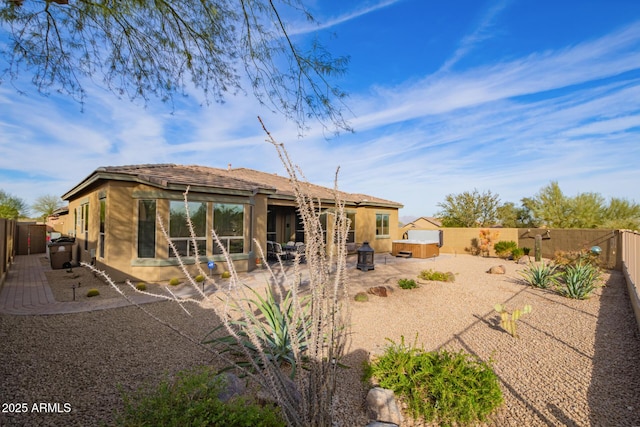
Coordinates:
228 223
179 229
382 225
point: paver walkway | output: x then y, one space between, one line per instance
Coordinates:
26 291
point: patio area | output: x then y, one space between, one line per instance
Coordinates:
575 363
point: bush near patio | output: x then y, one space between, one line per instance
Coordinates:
192 399
437 276
438 386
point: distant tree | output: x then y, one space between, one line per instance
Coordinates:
159 48
12 207
586 210
511 216
46 205
469 209
622 214
550 207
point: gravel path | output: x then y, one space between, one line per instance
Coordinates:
576 363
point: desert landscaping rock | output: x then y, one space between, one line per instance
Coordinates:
575 363
382 406
379 291
497 269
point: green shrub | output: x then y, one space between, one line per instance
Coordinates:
541 275
437 276
439 386
93 293
174 281
192 400
361 297
407 283
517 253
199 278
225 274
504 248
141 286
580 280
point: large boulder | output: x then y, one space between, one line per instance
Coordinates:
497 269
382 406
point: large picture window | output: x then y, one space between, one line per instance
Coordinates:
146 229
179 229
228 222
382 224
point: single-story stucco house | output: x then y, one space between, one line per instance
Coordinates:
114 211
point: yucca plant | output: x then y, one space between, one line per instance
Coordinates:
580 280
541 275
272 326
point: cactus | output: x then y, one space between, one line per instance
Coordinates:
508 319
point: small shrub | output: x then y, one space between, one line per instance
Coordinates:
580 280
225 274
174 281
508 320
192 400
504 248
141 286
541 275
439 386
437 276
526 251
567 258
93 293
517 253
407 283
199 278
361 297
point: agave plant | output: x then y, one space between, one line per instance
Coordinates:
541 275
273 325
580 280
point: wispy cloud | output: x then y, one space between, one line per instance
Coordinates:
570 115
335 21
477 36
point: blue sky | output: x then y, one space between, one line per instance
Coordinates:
445 97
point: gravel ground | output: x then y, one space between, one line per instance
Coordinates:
576 363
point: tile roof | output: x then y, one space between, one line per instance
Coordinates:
232 179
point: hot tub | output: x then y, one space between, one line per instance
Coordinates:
420 244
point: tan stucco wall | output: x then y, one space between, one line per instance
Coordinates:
458 240
366 228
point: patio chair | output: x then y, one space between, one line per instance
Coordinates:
270 250
278 252
301 251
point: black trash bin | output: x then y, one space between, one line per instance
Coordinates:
60 253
